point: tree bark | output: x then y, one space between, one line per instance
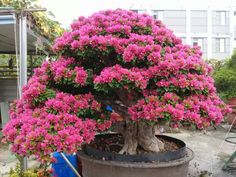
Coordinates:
130 139
140 134
147 138
134 133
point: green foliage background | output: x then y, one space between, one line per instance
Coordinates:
48 26
225 77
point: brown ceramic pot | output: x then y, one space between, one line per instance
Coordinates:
231 116
101 168
232 101
98 163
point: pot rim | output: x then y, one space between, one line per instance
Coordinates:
188 157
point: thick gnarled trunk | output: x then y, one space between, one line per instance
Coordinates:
130 139
134 133
147 138
141 134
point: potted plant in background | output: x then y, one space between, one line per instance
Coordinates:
35 172
225 81
119 69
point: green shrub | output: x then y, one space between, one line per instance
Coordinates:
216 64
17 172
225 78
232 61
42 171
225 81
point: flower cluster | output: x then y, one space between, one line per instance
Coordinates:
73 104
190 82
203 111
199 111
62 121
119 30
177 65
153 109
32 91
42 133
63 72
117 76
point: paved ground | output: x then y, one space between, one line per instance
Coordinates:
8 161
211 152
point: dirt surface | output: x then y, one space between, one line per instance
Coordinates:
115 143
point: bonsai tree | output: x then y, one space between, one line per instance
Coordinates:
115 66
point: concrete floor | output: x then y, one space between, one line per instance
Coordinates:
8 161
211 152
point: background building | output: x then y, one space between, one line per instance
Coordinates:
203 23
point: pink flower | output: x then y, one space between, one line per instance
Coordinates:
74 45
81 75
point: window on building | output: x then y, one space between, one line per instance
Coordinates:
183 40
158 14
198 42
220 45
140 11
136 11
221 17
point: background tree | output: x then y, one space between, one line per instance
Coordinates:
225 78
44 21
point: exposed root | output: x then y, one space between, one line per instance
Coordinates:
140 134
147 138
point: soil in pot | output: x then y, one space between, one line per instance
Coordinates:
107 147
115 143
